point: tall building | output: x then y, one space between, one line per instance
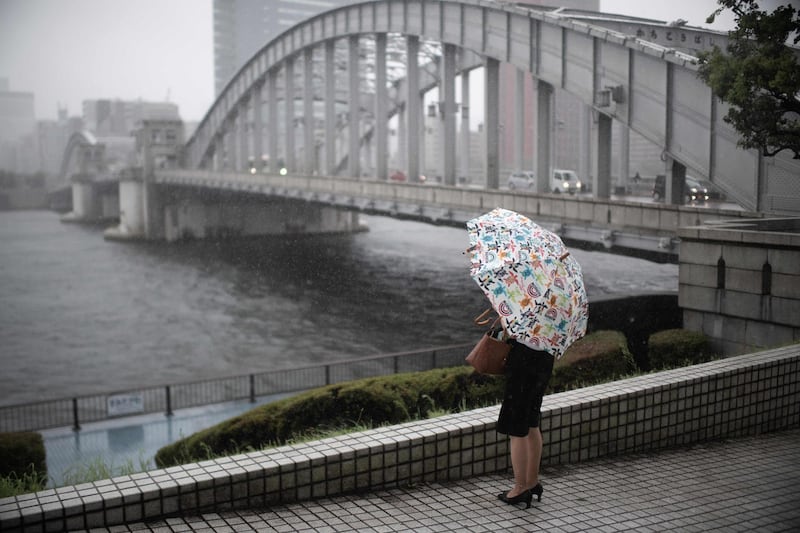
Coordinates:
242 27
17 128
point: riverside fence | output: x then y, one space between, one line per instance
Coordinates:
167 398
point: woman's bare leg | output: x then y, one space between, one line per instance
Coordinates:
520 458
534 445
526 455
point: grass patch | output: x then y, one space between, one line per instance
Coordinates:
14 484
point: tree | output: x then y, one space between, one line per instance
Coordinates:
759 76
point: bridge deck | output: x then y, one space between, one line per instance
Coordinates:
614 223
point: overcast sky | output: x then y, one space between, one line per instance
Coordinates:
66 51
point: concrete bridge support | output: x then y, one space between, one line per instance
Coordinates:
602 179
465 132
157 212
354 118
519 120
448 113
544 105
232 150
381 110
288 123
412 114
330 107
92 201
258 126
243 153
492 122
309 140
132 225
197 215
676 182
272 121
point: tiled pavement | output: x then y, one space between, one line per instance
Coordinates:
747 484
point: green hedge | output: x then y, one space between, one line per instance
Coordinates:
677 347
20 452
372 401
598 357
601 356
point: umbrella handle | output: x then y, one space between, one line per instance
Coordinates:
481 319
564 256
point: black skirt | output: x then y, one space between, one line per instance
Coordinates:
528 372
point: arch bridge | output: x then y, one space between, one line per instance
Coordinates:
301 105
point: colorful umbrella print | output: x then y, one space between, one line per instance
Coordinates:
530 278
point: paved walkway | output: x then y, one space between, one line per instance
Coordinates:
748 484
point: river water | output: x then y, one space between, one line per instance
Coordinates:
81 315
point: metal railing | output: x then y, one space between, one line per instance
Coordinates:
167 398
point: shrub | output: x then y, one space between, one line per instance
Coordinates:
373 401
677 347
21 451
598 357
23 467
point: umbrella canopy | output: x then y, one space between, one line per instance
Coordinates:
530 278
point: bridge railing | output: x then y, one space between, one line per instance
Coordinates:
79 410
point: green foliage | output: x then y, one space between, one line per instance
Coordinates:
677 347
598 357
759 76
22 453
14 484
362 404
367 403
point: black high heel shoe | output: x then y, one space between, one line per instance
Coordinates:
521 497
537 490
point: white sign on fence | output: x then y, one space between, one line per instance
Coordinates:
125 404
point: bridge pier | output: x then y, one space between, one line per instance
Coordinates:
92 201
198 215
178 213
132 223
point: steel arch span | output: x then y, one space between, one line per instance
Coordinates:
648 88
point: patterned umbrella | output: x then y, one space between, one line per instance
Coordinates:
530 278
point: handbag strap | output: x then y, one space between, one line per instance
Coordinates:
482 320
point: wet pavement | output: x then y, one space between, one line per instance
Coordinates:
745 484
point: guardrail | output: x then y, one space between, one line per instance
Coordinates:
167 398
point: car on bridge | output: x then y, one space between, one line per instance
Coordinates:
564 180
694 190
522 179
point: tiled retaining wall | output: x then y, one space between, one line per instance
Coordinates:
733 397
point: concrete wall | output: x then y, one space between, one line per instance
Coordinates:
739 283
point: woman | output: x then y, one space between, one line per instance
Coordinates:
527 373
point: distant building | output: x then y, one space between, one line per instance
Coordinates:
242 27
109 118
17 128
52 137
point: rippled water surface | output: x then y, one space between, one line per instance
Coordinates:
80 315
